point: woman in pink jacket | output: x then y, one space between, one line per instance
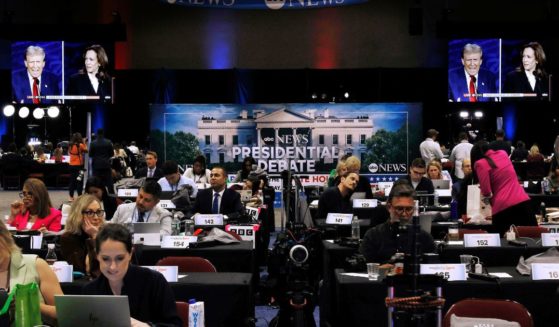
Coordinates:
35 211
499 186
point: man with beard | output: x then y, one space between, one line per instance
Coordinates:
383 241
336 199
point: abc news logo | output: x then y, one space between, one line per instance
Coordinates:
268 139
387 168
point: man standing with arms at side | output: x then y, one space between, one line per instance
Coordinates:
218 198
430 149
101 151
460 152
145 209
29 85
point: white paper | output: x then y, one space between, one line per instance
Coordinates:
63 271
500 275
365 275
171 273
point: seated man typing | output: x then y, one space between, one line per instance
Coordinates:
336 199
383 241
173 180
145 209
218 199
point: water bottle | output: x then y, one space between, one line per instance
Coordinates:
195 313
51 255
543 212
176 225
454 209
189 227
355 228
545 186
436 199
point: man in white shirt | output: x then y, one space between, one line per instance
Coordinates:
460 152
145 209
172 180
430 149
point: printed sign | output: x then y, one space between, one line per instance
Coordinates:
339 218
208 220
177 242
450 272
481 240
542 271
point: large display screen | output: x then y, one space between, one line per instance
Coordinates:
58 72
496 69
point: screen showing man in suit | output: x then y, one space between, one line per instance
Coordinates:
470 82
31 82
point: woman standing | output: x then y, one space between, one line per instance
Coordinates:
76 150
150 298
499 186
35 211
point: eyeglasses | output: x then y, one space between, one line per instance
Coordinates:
25 195
413 171
91 213
402 210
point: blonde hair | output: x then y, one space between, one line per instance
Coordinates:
353 163
437 164
534 150
75 217
7 244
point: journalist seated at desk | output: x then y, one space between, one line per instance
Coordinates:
35 211
383 241
78 241
173 180
150 297
218 199
145 209
353 165
336 199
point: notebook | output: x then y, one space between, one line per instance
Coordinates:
92 310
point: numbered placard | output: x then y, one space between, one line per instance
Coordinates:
171 273
365 203
208 220
177 242
481 240
550 239
339 218
545 271
450 272
252 213
127 192
166 204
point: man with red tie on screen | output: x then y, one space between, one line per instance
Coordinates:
468 84
33 84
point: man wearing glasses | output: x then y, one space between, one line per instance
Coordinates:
417 179
383 241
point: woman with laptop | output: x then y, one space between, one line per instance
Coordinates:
150 298
17 268
78 241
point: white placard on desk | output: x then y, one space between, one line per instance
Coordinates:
481 240
177 242
339 218
450 271
63 271
147 238
208 220
545 271
166 204
36 241
252 213
127 192
171 273
365 203
550 239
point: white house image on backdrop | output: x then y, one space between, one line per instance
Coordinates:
280 128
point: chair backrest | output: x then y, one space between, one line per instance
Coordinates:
188 264
530 231
463 231
490 308
182 311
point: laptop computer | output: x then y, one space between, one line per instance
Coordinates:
146 228
358 195
441 184
92 310
166 195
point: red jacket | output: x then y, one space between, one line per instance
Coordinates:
51 222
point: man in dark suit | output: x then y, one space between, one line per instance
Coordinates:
151 171
469 83
218 198
100 152
34 81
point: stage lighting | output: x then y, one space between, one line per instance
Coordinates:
346 95
9 110
478 114
314 96
38 113
23 112
53 111
464 114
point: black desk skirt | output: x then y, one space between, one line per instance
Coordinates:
360 302
228 299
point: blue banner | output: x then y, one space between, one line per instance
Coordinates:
264 4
